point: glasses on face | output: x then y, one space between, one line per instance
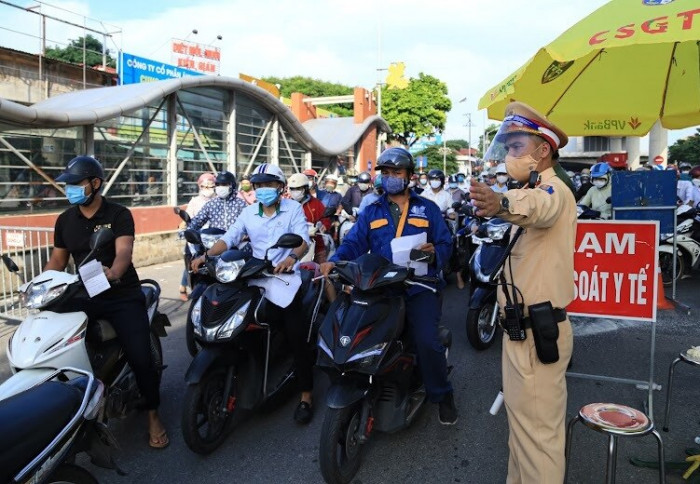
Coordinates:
206 186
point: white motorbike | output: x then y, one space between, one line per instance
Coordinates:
346 221
50 339
688 247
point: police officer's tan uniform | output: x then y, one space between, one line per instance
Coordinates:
543 270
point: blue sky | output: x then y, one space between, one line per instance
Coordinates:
470 44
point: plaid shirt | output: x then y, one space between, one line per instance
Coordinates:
219 212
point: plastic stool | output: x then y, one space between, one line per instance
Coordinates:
615 421
683 356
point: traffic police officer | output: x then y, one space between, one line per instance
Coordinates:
541 266
399 211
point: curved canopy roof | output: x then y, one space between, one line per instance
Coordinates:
326 137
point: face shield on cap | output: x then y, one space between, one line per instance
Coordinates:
513 146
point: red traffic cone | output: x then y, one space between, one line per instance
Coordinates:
661 301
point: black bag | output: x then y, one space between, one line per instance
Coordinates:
545 331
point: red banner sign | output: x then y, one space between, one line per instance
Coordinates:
615 269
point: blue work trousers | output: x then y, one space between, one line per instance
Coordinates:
423 313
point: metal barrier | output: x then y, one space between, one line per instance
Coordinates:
30 249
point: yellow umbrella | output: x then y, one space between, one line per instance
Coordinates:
616 72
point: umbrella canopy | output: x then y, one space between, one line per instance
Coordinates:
615 73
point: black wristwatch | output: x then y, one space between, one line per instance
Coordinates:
293 256
505 204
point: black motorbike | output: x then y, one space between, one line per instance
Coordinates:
245 361
375 381
492 240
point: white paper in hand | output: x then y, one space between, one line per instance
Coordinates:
401 252
94 278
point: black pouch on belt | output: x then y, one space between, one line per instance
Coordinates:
545 331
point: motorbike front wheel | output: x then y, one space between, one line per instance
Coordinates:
204 424
480 333
666 261
339 450
73 474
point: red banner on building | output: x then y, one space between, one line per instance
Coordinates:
615 269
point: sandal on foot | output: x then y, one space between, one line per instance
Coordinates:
161 441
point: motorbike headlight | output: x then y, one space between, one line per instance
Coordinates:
208 240
233 322
497 231
196 317
228 271
666 236
367 357
39 295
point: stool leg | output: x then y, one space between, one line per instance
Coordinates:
669 387
611 467
567 449
662 463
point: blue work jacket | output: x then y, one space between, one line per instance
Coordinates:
375 229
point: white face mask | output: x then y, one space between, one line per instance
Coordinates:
363 186
599 183
207 192
223 192
696 182
435 184
502 179
297 195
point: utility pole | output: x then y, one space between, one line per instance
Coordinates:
469 125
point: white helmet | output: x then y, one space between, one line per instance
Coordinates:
501 168
332 178
267 173
298 180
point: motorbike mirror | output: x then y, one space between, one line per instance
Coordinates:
182 214
101 238
9 263
193 236
288 241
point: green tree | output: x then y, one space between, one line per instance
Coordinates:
73 53
491 131
314 88
434 154
418 110
457 144
686 149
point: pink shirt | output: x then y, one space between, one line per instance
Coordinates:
248 197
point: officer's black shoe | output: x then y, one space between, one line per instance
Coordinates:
447 411
303 413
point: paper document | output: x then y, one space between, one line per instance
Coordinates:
277 291
94 278
401 252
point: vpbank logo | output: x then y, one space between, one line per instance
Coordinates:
654 3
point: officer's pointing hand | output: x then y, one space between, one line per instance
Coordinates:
487 202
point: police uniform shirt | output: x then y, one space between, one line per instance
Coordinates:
73 231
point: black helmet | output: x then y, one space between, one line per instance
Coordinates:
453 179
81 168
437 174
396 158
364 177
226 178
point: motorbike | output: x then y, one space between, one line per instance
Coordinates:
687 257
47 425
245 361
460 227
52 338
375 381
584 212
492 240
345 223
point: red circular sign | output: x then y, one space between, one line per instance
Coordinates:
658 160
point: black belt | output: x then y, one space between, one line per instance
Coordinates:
558 313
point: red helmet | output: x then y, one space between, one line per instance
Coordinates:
310 172
695 172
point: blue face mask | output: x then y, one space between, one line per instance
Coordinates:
393 185
453 185
267 195
76 194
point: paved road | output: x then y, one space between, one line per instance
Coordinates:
271 448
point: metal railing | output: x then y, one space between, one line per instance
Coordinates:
30 249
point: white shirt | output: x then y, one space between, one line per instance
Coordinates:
264 231
684 190
442 198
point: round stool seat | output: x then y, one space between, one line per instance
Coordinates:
689 359
613 418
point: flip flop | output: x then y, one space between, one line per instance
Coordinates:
161 441
183 295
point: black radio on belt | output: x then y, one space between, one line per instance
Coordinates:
513 322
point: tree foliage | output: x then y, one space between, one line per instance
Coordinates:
314 88
418 110
73 52
491 131
687 149
435 158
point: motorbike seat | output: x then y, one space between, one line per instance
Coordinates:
31 420
149 293
101 331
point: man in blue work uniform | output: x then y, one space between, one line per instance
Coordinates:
400 212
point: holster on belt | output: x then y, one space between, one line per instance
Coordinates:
544 320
